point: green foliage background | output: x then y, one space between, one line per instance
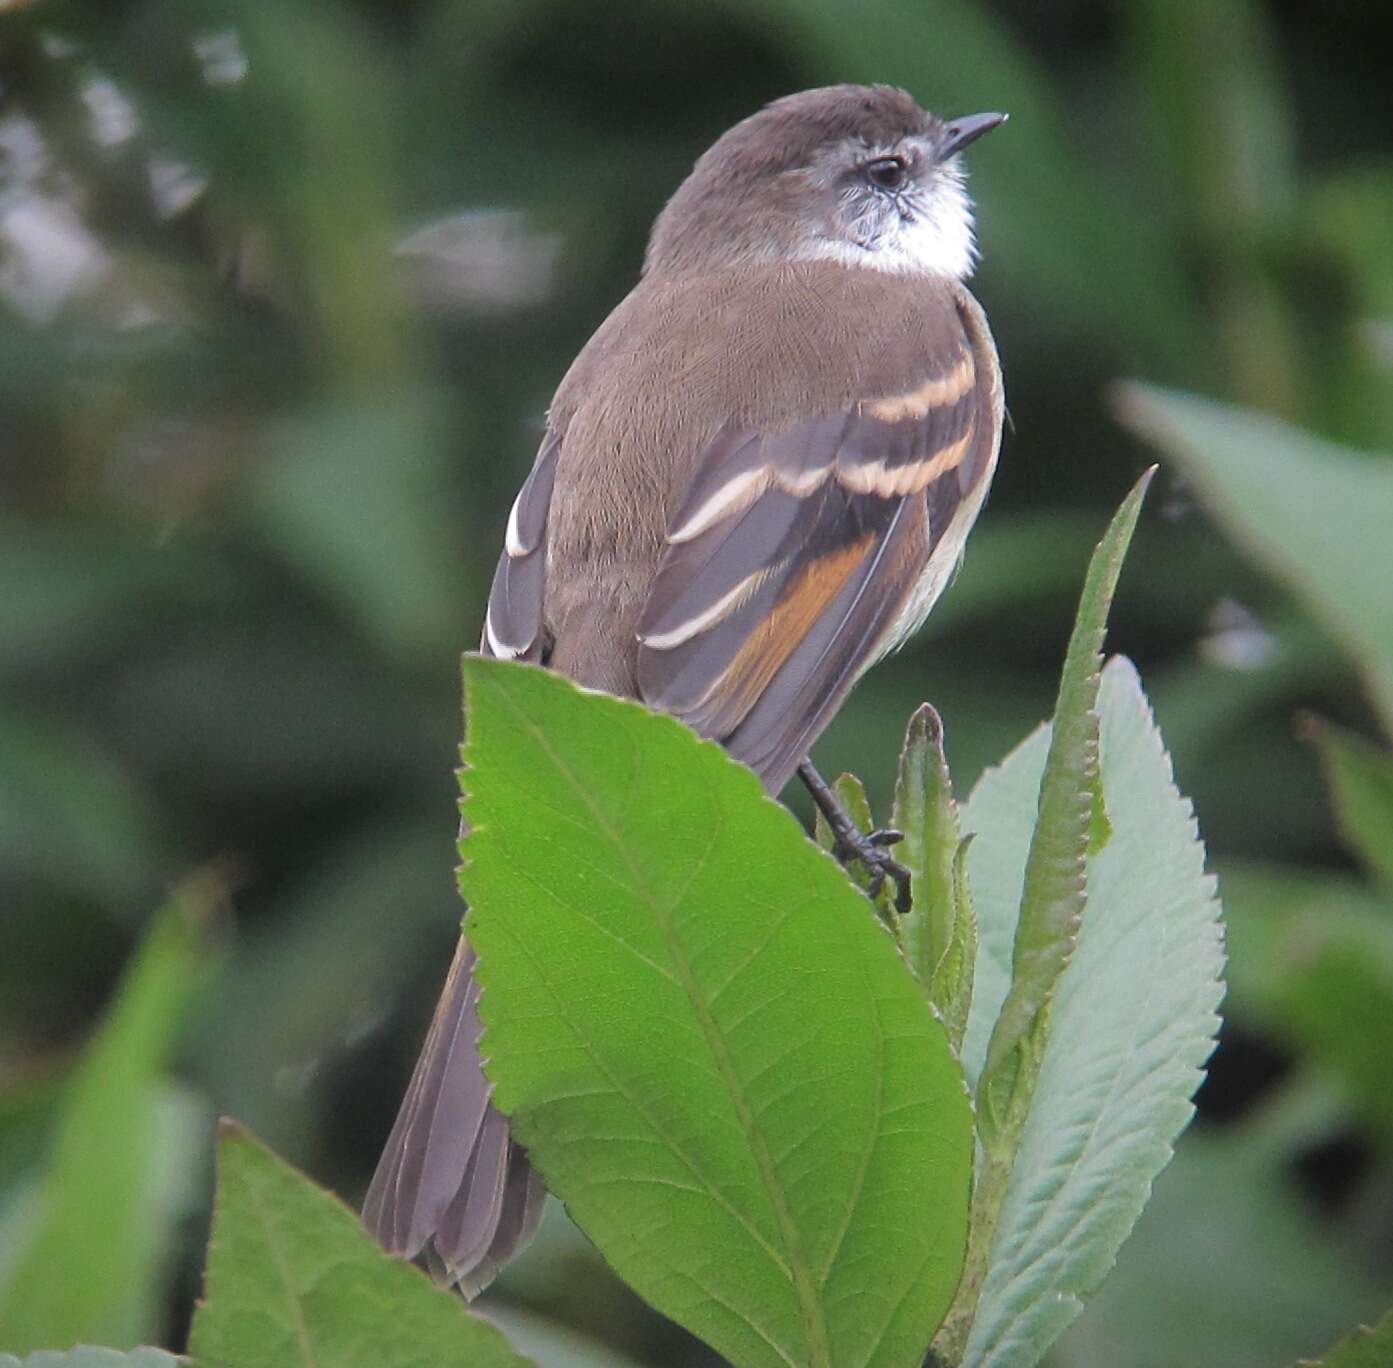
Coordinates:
258 436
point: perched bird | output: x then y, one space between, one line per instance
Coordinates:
756 479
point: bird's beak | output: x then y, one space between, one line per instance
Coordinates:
963 131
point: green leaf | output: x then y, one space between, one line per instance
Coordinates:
1054 894
1231 1265
1361 783
951 988
1366 1347
716 1057
939 933
123 1159
294 1281
1133 1022
1315 515
90 1356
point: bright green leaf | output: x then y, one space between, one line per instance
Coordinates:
1132 1024
1315 515
1366 1347
1361 783
716 1057
294 1281
123 1157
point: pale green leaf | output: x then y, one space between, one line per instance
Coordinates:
123 1157
718 1060
1230 1266
1000 814
1315 515
294 1281
1133 1022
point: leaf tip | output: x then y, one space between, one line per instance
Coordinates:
229 1128
925 724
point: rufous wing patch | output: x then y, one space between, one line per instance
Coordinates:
790 620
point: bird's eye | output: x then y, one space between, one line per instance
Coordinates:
886 172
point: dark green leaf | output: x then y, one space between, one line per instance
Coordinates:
716 1057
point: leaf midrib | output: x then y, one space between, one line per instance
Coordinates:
297 1315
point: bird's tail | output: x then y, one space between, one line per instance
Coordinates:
450 1172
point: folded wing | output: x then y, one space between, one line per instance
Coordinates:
799 556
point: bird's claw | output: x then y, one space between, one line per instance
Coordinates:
872 851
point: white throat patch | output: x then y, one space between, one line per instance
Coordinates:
931 236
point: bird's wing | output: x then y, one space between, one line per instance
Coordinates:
798 556
513 624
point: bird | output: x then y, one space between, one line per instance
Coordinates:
755 480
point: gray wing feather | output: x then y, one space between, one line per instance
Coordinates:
513 623
449 1172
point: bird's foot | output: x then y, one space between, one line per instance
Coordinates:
872 851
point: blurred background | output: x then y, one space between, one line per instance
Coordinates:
284 292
